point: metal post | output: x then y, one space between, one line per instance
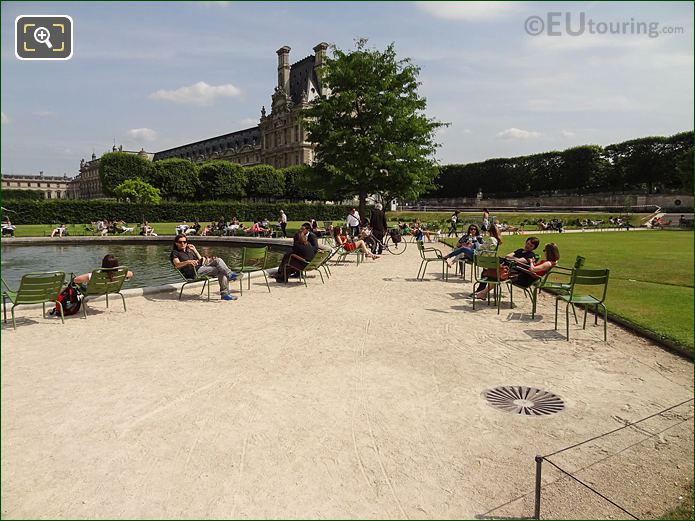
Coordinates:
537 507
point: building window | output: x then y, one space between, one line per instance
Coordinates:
296 159
296 133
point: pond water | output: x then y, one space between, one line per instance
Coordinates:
149 262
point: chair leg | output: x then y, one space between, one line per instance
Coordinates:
321 274
419 270
605 323
84 306
596 316
556 303
107 300
206 283
62 317
265 275
567 320
585 311
180 292
14 324
123 299
534 299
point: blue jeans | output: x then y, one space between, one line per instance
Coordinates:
218 268
463 250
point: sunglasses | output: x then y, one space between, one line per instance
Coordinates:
181 242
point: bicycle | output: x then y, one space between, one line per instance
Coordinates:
388 244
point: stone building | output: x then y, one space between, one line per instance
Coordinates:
53 187
87 184
279 139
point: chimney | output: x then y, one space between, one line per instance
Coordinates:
319 62
41 173
284 68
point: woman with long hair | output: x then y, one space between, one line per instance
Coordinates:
342 240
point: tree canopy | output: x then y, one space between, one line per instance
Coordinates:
222 180
116 167
137 191
176 178
370 132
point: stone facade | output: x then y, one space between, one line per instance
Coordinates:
279 139
87 184
53 187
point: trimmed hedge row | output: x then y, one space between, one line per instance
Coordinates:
84 211
22 195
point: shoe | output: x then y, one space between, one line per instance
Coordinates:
229 297
236 276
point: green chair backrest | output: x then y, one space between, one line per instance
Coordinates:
36 288
106 280
317 260
254 257
584 277
486 261
421 248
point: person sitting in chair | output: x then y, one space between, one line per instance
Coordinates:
185 258
109 261
342 240
60 230
8 228
467 245
301 248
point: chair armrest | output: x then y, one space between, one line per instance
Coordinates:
7 288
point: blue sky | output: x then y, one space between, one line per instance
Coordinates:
162 74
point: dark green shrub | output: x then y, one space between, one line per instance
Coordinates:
22 195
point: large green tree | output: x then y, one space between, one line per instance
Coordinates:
176 179
264 182
116 167
137 191
221 179
371 133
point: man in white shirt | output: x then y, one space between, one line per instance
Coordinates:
283 223
353 222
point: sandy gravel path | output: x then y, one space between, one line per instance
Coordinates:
360 398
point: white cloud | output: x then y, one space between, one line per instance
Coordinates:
44 113
467 131
5 119
144 134
568 133
200 94
517 133
470 11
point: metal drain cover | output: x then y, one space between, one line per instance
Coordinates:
528 401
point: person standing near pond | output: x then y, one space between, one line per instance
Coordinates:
185 258
486 220
453 223
282 221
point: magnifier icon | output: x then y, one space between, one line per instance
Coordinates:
42 35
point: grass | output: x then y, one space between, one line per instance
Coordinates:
651 278
441 219
685 509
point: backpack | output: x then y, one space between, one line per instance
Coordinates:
70 298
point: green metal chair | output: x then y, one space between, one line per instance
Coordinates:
342 254
556 280
252 259
105 281
426 258
36 288
584 277
205 279
313 265
482 262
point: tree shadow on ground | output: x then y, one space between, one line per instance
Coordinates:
524 317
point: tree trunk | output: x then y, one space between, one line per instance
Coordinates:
363 204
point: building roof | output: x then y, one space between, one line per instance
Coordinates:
20 177
302 75
249 136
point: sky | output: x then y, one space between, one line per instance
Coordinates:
155 75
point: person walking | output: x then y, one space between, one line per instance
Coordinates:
353 222
453 222
379 226
283 223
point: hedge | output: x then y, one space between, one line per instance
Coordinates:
85 211
22 195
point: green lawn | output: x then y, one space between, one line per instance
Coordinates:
651 279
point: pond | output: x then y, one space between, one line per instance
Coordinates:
149 262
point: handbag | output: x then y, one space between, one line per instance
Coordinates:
491 273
